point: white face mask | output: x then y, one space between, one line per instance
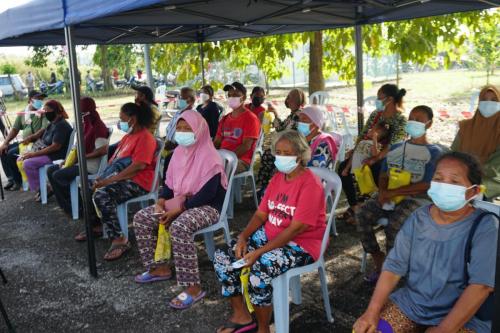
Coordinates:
234 102
204 97
489 108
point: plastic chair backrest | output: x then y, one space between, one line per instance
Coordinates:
473 101
230 161
489 206
319 98
159 148
339 140
331 183
258 147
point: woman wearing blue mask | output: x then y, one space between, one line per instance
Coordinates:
443 290
285 232
480 136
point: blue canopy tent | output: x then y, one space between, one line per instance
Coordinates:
77 22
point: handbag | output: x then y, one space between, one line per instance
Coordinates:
398 177
364 178
486 311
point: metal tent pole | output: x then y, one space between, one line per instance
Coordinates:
359 75
149 71
202 56
84 185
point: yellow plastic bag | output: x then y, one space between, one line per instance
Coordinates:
398 178
267 121
163 245
22 149
71 159
365 180
244 277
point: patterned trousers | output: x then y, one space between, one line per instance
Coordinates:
270 265
368 216
267 168
183 246
107 200
402 324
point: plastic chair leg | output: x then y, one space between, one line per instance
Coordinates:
363 263
296 290
280 304
254 189
121 211
209 244
73 189
324 292
42 175
237 190
230 206
227 234
26 186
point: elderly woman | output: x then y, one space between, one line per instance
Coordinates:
443 291
191 200
96 138
209 109
480 136
323 146
285 232
51 144
294 101
139 146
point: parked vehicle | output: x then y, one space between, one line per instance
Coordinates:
6 85
52 88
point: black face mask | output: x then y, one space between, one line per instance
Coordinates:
257 101
51 116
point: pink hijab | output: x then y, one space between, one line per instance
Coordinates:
192 167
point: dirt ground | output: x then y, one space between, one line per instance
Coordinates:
50 288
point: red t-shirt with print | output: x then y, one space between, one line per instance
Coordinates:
140 147
301 199
233 130
257 110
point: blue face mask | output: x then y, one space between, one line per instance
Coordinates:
181 103
415 128
184 138
285 164
304 128
36 104
448 197
124 127
489 108
379 105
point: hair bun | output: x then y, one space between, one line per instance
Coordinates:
402 92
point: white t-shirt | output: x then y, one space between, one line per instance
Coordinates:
362 152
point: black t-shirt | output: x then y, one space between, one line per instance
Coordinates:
211 115
58 132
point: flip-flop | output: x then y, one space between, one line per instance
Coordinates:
122 247
238 328
186 300
147 277
82 236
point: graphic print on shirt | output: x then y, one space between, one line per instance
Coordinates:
415 161
232 134
280 214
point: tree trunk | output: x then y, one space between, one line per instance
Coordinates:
316 79
105 70
397 70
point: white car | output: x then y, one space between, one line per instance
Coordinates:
6 86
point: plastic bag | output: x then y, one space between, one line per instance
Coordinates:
244 278
365 180
163 245
71 159
398 178
22 149
267 121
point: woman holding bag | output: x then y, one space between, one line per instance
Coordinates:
192 198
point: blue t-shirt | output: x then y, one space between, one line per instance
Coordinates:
419 160
432 257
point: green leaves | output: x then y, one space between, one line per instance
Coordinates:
8 69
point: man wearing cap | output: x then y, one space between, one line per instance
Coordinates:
239 130
144 94
29 122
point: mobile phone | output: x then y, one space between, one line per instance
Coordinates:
157 214
238 264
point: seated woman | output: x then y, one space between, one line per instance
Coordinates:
442 292
52 144
285 232
416 157
133 181
480 136
257 98
96 138
324 148
209 109
195 186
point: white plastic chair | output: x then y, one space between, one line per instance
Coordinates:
230 161
290 281
122 209
42 172
241 177
73 187
319 98
370 101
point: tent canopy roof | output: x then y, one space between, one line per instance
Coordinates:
41 22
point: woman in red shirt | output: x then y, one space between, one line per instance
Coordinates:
285 232
135 180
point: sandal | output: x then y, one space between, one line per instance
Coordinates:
238 328
349 217
147 277
118 250
82 236
186 300
38 197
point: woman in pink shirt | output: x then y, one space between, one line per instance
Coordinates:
285 232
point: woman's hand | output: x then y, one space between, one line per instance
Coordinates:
370 161
367 323
384 197
241 247
159 208
169 216
28 155
435 329
101 183
251 258
26 140
348 154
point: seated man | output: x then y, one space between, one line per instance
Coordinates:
239 130
415 156
29 123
